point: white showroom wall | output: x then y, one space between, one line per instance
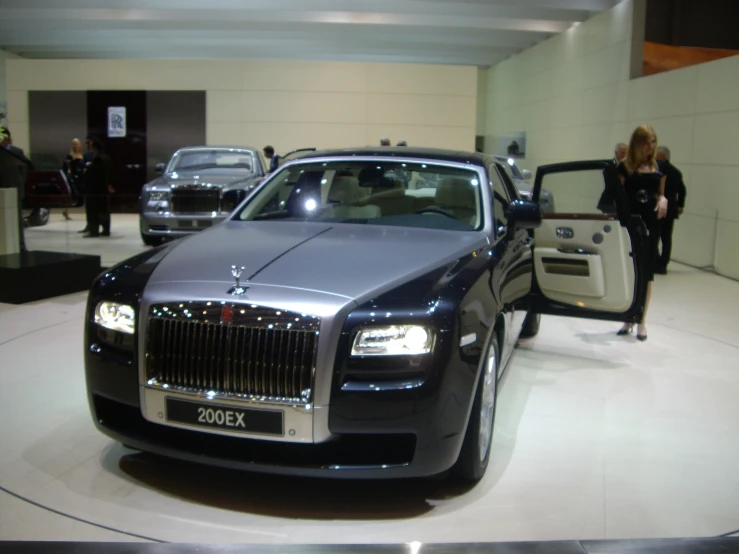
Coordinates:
573 97
289 104
3 92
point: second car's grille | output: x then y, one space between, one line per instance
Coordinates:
195 201
232 349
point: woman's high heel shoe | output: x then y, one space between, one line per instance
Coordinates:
639 336
625 330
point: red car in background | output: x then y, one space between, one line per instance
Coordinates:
45 189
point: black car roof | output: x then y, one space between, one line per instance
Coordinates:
457 156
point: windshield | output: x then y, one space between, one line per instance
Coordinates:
212 158
511 168
371 192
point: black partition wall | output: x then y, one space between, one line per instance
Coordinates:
139 128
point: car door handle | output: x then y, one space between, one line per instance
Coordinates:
565 233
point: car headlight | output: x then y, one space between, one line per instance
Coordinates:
158 195
116 317
393 340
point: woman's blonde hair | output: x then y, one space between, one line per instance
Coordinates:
639 138
72 151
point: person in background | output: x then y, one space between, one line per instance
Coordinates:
86 160
274 159
14 168
384 141
644 184
675 192
606 204
99 186
402 143
74 169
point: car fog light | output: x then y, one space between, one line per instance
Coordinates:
393 340
116 317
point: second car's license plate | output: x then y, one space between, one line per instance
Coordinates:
225 418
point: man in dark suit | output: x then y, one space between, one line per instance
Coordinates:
675 193
606 204
274 159
99 185
14 168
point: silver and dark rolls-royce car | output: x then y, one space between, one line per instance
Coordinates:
350 320
198 187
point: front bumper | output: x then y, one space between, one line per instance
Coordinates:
414 432
169 225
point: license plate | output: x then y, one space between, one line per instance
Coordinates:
186 224
203 223
225 418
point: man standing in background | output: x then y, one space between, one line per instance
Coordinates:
675 193
274 159
606 204
99 184
14 168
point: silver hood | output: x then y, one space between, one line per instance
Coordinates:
349 260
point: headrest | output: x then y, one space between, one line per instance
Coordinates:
346 190
456 192
375 178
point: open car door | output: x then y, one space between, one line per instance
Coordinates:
588 263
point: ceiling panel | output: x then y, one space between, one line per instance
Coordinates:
468 32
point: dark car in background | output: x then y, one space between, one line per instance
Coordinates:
197 188
354 315
45 189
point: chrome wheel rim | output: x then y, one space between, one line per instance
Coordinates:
487 406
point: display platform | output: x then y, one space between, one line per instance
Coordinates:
37 275
598 437
652 546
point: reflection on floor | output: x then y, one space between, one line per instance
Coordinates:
597 436
60 235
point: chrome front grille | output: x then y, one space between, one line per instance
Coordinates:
232 349
195 201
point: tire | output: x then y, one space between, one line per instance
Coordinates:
39 217
150 240
475 453
530 325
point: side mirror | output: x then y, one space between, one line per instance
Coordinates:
524 215
159 168
526 174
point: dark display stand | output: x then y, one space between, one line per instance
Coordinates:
37 275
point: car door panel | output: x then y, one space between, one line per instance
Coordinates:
587 263
569 269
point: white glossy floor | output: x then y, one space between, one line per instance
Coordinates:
60 235
597 436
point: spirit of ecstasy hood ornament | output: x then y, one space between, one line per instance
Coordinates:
237 289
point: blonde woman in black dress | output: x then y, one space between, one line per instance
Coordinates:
74 167
644 184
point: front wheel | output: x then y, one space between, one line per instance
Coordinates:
475 454
530 325
39 217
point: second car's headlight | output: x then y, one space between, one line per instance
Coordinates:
116 317
158 195
393 340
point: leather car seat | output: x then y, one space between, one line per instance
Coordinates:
458 196
347 199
